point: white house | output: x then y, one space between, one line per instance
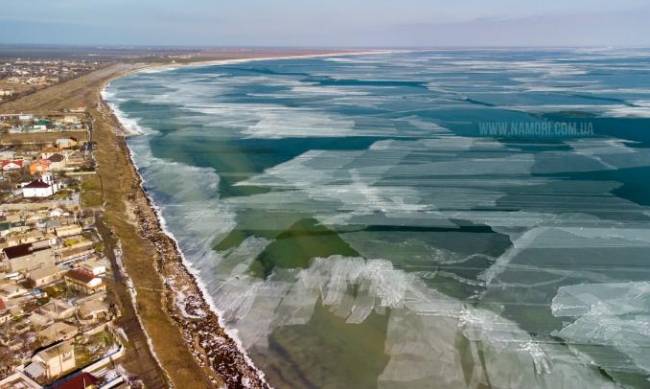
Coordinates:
42 187
65 143
55 360
71 119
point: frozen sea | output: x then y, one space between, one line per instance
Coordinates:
438 219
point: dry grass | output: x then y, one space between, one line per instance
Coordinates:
119 181
91 191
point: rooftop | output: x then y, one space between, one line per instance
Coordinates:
55 350
81 275
44 272
56 158
37 184
79 381
19 251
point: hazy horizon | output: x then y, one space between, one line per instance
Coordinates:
411 23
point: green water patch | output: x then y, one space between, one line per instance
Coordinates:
327 352
449 259
298 245
233 239
261 224
235 160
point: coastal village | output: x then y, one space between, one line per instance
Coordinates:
94 292
21 76
57 310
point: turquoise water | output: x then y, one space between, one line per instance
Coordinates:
459 218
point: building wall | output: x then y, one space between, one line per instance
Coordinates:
33 261
60 364
38 192
38 282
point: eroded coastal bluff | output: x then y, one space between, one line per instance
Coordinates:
215 351
175 338
166 278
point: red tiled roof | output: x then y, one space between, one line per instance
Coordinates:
18 162
80 381
56 158
80 275
37 184
18 251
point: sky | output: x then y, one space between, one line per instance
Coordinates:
333 23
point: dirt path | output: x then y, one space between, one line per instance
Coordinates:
139 360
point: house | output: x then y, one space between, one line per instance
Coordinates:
57 161
93 310
96 266
39 166
12 164
83 281
56 359
57 332
39 320
42 187
45 275
26 257
76 251
39 128
29 236
71 119
11 290
57 309
79 381
18 380
66 143
70 230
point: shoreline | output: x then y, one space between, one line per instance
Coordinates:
185 299
192 274
125 122
216 62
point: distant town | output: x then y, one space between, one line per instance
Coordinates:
19 77
56 305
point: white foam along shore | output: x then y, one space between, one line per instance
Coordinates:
205 295
131 127
173 66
